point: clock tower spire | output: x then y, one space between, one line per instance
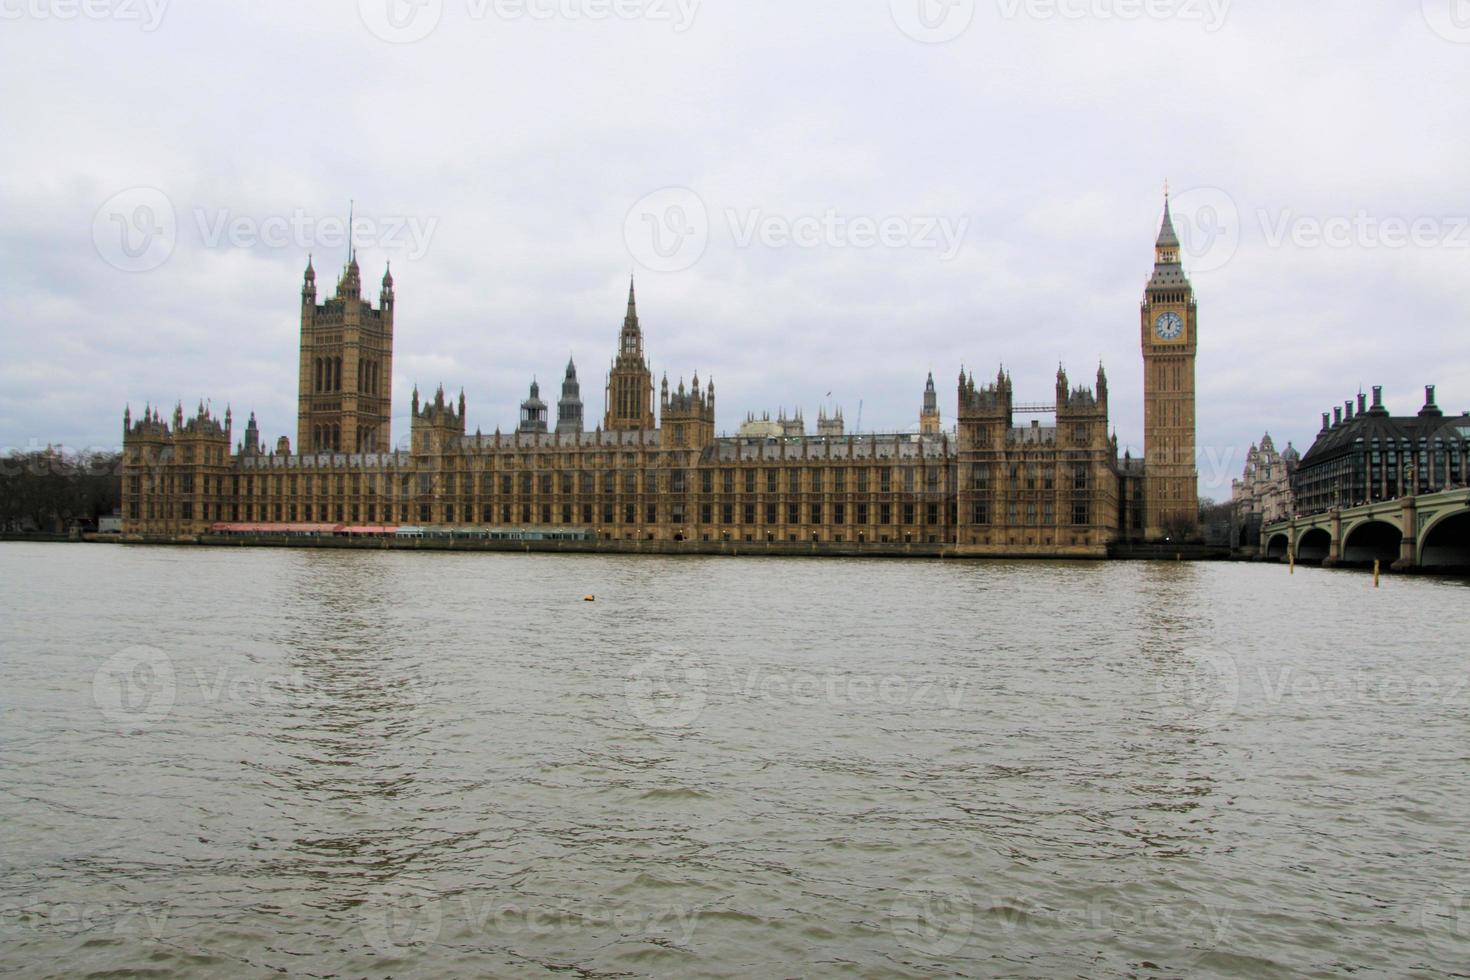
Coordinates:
1170 340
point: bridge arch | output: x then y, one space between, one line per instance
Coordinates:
1314 545
1445 543
1393 518
1276 548
1372 540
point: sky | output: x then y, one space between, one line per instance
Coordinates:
822 203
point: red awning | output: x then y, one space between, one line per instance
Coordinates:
274 528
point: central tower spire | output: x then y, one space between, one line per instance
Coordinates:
630 382
632 337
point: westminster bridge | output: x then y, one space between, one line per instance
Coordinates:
1429 531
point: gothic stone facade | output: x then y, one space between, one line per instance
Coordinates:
345 393
987 487
1262 495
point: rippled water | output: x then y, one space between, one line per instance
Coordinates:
241 763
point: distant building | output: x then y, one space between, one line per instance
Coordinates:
761 428
830 425
1364 454
1262 495
794 426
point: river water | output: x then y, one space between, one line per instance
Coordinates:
240 763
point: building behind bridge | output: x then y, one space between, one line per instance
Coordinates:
1363 454
998 482
1262 493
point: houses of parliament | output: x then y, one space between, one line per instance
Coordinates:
654 469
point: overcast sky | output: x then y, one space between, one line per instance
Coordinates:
816 198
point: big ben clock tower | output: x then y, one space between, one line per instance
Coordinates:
1169 315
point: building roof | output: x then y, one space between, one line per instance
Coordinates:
1374 425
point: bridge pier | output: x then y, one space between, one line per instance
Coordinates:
1409 546
1334 547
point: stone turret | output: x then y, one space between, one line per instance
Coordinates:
308 285
1082 417
687 416
830 425
436 425
569 406
349 285
793 426
533 412
252 445
929 421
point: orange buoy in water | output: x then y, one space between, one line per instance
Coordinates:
589 598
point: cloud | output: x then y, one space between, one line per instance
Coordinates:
519 143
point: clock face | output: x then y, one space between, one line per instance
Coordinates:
1169 326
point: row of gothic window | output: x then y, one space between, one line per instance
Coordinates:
327 375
